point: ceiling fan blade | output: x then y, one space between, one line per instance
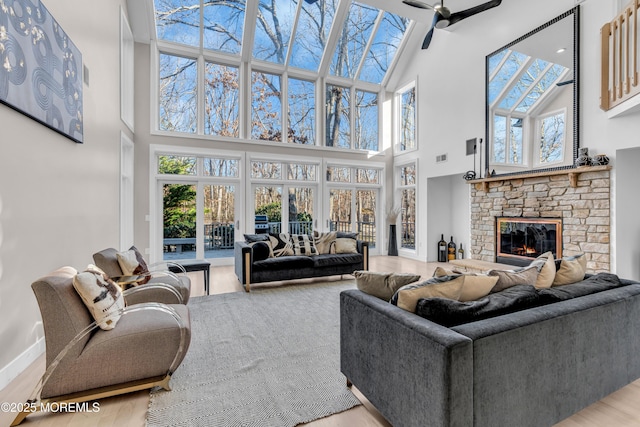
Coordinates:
429 36
463 14
418 3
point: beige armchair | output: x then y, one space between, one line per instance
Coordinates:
84 362
107 261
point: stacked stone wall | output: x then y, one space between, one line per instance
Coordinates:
584 209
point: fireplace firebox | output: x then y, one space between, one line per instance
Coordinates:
519 240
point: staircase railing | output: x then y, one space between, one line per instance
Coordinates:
620 51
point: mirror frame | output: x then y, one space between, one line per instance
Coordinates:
576 94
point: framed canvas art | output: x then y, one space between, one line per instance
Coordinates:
40 68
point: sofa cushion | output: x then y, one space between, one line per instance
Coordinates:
280 244
596 283
476 286
449 312
442 287
382 285
325 241
261 250
303 245
328 260
509 278
293 262
346 235
572 270
346 245
101 295
547 270
250 238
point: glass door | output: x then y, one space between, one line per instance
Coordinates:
179 235
354 210
220 224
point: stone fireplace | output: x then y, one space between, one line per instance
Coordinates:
520 240
579 197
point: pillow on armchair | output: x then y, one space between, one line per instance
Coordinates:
101 295
132 263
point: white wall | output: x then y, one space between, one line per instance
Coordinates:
451 99
59 200
626 213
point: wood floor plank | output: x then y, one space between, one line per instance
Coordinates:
620 409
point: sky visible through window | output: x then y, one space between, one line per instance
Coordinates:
290 35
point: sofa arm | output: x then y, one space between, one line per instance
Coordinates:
152 292
414 371
243 260
363 248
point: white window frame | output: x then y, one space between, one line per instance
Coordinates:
127 72
127 167
398 117
398 187
199 179
538 135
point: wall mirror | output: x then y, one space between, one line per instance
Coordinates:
532 100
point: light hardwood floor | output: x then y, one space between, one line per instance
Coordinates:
620 409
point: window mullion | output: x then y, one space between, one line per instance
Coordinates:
201 99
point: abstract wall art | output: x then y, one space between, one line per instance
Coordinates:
40 68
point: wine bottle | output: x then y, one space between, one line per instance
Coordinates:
442 249
460 252
452 250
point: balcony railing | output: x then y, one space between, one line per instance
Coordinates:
366 230
620 51
408 235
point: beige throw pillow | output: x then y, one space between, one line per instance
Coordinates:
101 295
546 266
476 286
382 285
325 241
509 278
572 270
346 245
132 263
407 296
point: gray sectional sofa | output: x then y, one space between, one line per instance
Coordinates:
291 267
532 367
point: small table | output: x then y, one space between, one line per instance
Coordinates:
194 265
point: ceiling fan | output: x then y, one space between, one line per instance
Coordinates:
443 16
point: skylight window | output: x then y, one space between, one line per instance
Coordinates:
353 41
312 33
204 46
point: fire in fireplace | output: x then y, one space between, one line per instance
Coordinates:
519 240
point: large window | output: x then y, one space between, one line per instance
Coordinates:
407 117
207 74
407 179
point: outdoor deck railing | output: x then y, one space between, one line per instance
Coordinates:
620 51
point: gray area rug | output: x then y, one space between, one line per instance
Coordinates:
266 358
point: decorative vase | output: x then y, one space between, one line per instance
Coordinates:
583 151
600 160
583 161
393 245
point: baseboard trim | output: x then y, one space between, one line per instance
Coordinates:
21 363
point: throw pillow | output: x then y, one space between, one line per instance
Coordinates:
572 270
546 270
303 245
509 278
101 295
452 313
132 263
382 285
325 241
439 272
261 250
280 244
441 287
346 245
250 238
476 286
346 235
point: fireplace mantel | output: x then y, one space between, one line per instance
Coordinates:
483 184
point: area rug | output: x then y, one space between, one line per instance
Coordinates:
266 358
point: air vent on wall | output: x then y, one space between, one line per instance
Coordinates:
441 158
